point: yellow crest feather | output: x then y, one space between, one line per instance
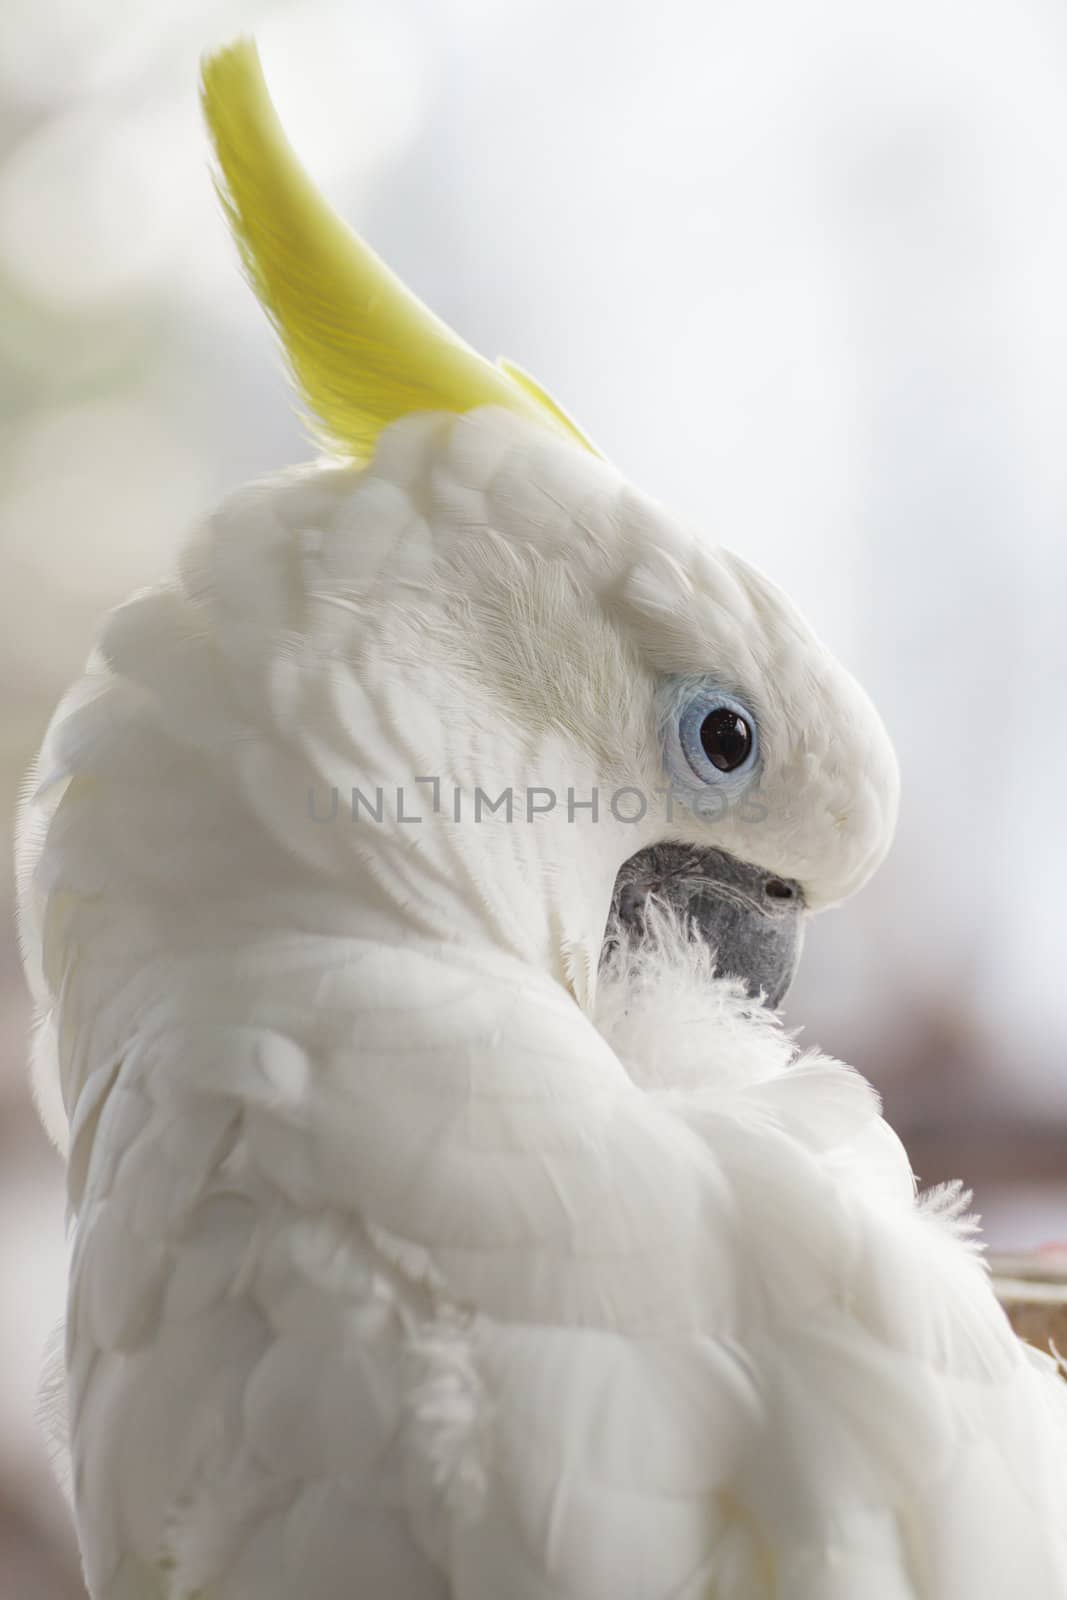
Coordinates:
362 348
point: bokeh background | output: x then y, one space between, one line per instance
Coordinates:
800 268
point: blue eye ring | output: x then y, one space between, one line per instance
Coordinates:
687 704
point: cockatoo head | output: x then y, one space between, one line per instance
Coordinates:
665 721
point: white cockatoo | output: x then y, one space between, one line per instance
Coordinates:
437 1234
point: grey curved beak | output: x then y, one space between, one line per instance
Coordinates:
754 920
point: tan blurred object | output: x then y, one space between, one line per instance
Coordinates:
1032 1288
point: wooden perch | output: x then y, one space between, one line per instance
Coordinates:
1033 1291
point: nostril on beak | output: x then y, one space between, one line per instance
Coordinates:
777 890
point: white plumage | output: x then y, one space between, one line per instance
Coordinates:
411 1260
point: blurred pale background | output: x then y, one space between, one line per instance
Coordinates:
801 270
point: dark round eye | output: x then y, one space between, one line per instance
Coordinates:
726 738
711 735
